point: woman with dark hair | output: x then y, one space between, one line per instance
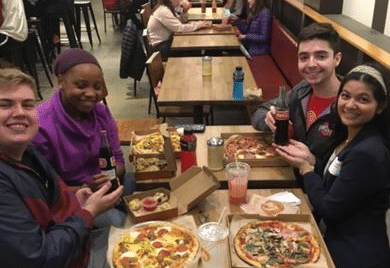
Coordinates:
350 191
255 31
163 23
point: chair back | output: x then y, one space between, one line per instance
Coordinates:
145 13
110 4
146 41
155 69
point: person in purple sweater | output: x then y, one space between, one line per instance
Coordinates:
255 31
71 121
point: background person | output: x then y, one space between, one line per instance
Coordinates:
42 223
163 23
255 31
350 189
310 102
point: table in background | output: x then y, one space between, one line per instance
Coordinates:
205 42
195 13
259 177
184 84
210 31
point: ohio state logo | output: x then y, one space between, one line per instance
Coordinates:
324 130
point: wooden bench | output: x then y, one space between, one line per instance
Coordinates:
280 66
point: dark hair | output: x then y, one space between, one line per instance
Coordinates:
166 3
251 14
381 95
322 31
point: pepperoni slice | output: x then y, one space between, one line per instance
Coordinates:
164 253
157 244
142 236
161 232
182 248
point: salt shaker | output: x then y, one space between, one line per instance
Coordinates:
215 154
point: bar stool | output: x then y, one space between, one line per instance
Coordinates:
84 6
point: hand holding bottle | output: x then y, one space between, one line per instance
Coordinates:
100 200
97 181
270 119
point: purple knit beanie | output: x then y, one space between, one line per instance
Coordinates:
72 57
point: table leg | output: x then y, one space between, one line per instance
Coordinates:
198 114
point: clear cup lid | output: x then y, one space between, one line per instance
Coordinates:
212 231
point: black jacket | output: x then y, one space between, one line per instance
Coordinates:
133 57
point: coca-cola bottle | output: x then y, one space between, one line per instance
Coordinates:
188 150
282 118
107 161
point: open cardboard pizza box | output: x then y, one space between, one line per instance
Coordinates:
236 221
274 161
137 136
168 172
187 190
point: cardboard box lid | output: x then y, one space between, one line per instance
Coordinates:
193 186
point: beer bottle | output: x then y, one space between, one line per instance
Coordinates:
107 161
214 6
282 118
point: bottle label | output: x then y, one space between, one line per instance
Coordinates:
282 115
103 163
110 173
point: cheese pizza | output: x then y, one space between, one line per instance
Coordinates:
153 143
276 244
155 244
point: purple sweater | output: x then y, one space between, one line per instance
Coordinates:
71 146
258 32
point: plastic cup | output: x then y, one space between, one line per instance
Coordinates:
237 177
213 238
206 66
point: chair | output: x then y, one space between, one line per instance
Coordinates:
155 71
114 11
146 41
85 6
145 14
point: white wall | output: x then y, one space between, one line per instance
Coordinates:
359 10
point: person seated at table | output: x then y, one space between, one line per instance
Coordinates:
42 222
350 189
163 23
311 102
234 9
70 124
255 31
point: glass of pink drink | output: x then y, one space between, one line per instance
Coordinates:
237 177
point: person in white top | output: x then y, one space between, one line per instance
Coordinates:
13 32
163 23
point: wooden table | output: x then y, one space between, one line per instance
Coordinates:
205 42
210 31
260 177
210 209
184 84
195 13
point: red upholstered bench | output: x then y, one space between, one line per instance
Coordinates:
280 66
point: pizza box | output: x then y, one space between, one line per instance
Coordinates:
267 162
192 186
170 170
305 220
132 152
158 214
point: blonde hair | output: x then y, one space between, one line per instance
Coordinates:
13 77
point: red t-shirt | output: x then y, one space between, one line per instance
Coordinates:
315 107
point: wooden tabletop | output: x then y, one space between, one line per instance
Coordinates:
229 29
195 13
184 84
259 177
207 42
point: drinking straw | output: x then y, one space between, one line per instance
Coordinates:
221 216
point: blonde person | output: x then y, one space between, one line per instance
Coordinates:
42 222
164 22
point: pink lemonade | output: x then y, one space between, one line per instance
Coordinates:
238 185
237 177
